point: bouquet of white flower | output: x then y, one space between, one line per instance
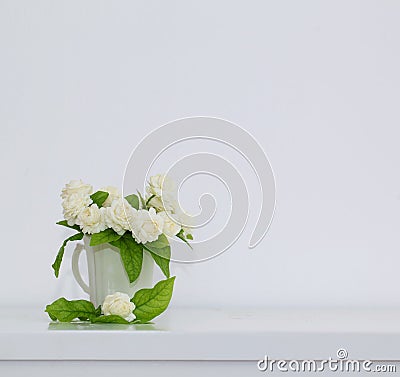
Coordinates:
131 224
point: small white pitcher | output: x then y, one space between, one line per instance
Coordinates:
107 274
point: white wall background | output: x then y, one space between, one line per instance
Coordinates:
317 83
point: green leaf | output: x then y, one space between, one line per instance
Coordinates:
160 243
181 236
150 303
57 263
189 237
99 197
98 311
163 261
65 223
133 200
110 319
131 254
160 251
105 236
66 311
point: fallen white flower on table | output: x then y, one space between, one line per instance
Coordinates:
118 304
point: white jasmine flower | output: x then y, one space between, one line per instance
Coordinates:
113 195
146 225
73 205
118 304
171 227
159 183
119 216
164 191
167 203
92 219
76 187
185 221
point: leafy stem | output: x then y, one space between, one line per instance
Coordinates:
181 236
142 200
149 199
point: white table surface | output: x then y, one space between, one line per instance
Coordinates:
183 334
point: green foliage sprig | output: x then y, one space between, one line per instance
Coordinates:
149 303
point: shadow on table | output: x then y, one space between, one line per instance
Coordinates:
85 326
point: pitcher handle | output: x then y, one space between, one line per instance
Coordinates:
75 267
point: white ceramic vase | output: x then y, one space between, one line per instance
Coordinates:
107 274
